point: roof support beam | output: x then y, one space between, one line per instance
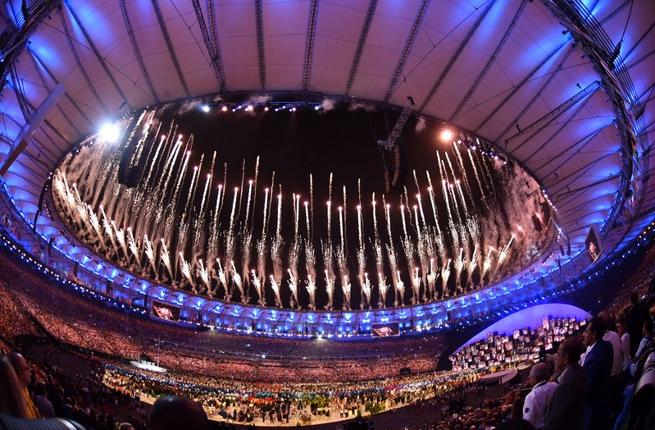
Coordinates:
53 141
558 131
453 59
581 216
309 44
215 43
648 91
551 116
32 123
617 83
565 196
612 14
54 79
169 45
637 43
96 53
59 108
29 181
12 119
537 95
406 50
54 130
640 59
577 207
647 129
489 63
261 59
360 45
215 61
516 88
584 141
578 174
37 163
137 51
85 75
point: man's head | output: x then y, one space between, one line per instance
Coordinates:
620 326
21 367
539 373
125 426
569 352
595 331
174 413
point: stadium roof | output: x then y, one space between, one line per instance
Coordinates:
565 87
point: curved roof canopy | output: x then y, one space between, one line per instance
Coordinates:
529 75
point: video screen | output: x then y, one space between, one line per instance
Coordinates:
593 245
165 311
384 330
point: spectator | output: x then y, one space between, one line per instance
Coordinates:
646 346
636 314
616 378
566 407
24 374
646 342
174 413
12 401
125 426
537 401
42 402
597 364
624 336
615 341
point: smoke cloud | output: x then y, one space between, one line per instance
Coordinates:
420 124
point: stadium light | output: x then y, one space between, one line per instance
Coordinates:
446 135
205 108
109 132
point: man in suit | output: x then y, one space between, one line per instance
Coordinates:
597 364
565 411
636 314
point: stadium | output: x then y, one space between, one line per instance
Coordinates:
327 214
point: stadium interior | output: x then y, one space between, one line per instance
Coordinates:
327 214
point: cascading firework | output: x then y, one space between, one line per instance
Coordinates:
269 248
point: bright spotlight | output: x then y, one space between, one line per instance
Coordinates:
205 108
446 135
249 108
109 132
224 108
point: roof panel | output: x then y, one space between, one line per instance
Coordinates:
537 34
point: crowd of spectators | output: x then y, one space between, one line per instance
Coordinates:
76 321
590 379
241 402
13 319
42 396
523 346
46 391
